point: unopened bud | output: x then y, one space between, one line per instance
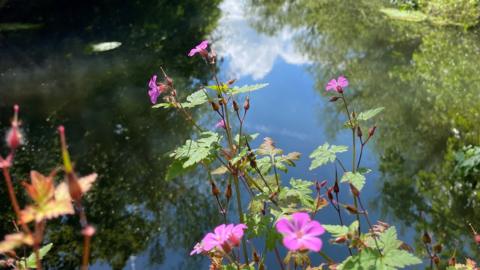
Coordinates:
371 131
477 239
359 132
352 209
340 239
231 81
329 194
426 238
246 104
215 106
436 259
215 190
437 248
336 188
333 99
261 267
253 163
169 81
89 231
317 186
14 137
235 106
452 261
354 190
228 192
256 258
354 115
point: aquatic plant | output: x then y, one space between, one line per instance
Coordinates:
279 213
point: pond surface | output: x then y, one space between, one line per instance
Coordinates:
426 78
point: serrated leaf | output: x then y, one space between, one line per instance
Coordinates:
364 116
250 137
194 152
247 88
267 148
389 240
325 154
164 105
31 260
399 258
336 230
356 179
196 98
15 240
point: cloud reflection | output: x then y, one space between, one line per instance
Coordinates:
248 52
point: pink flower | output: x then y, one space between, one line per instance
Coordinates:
200 48
337 85
300 232
155 89
197 249
224 237
220 124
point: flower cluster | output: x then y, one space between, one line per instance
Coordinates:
224 237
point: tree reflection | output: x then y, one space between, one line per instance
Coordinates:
426 77
102 101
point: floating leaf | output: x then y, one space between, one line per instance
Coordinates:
364 116
356 179
325 154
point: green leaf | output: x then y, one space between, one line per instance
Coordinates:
193 152
325 154
356 179
196 98
176 169
163 105
399 258
247 88
364 116
250 137
31 261
336 230
389 240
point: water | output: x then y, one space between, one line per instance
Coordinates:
426 77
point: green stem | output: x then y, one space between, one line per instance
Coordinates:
240 214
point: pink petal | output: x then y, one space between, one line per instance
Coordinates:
153 82
311 243
342 81
313 228
203 45
209 242
284 226
331 85
291 242
300 220
193 52
153 93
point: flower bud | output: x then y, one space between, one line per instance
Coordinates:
333 99
231 81
452 261
215 106
354 115
14 137
228 192
352 209
336 188
477 239
169 81
89 231
235 106
438 248
246 104
436 259
371 131
359 132
256 258
329 193
215 190
253 163
354 190
340 240
426 239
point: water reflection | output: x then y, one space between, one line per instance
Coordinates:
101 99
426 77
